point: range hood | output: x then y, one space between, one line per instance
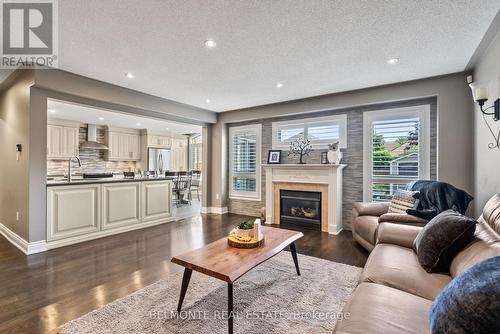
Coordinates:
91 143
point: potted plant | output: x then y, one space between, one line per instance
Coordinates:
245 229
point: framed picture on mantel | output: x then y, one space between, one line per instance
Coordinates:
274 157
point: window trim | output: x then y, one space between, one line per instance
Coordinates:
423 113
341 120
257 128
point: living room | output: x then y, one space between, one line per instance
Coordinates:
346 155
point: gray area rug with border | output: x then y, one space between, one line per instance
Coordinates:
270 298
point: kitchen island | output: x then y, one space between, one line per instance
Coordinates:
86 209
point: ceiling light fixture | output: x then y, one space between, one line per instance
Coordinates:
129 75
279 85
52 111
393 61
138 124
210 43
208 101
101 118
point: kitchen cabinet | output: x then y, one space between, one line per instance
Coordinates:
159 141
123 146
156 202
121 204
73 210
79 212
179 154
62 142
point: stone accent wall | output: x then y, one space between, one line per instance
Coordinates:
92 160
353 154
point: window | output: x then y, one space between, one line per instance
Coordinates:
396 150
319 130
244 161
195 146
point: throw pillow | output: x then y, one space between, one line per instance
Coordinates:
470 303
402 201
442 239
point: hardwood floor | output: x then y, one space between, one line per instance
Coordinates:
40 292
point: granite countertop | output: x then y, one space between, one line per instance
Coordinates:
79 180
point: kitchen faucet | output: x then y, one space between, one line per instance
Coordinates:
69 166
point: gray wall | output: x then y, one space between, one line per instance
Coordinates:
14 175
487 161
353 154
454 121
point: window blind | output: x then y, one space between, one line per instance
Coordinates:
244 163
395 155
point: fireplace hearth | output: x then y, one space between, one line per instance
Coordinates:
300 209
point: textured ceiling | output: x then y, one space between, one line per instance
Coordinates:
313 47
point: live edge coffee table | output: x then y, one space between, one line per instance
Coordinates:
226 263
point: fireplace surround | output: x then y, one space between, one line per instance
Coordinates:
323 179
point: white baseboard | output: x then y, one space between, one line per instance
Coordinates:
215 209
27 248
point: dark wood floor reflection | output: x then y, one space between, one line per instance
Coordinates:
40 292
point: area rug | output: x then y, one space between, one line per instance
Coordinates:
270 298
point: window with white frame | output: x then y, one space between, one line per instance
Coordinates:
195 154
319 130
244 161
396 150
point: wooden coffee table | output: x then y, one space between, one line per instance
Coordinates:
226 263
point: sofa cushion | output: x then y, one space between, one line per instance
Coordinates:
471 302
378 309
403 200
398 267
442 239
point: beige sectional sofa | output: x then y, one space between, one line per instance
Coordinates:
394 292
366 218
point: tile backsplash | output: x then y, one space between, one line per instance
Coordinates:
92 160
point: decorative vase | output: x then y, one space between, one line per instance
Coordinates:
334 157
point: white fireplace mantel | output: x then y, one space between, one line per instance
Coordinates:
315 174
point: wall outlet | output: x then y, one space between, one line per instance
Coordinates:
216 196
17 215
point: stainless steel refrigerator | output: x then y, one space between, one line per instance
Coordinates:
158 160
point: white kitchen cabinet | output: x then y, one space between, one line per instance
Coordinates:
121 204
73 210
179 154
159 141
62 142
156 200
123 146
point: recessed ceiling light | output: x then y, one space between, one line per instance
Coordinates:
138 124
210 44
52 111
129 75
208 101
393 61
101 118
167 128
279 85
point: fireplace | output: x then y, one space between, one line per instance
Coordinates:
300 209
